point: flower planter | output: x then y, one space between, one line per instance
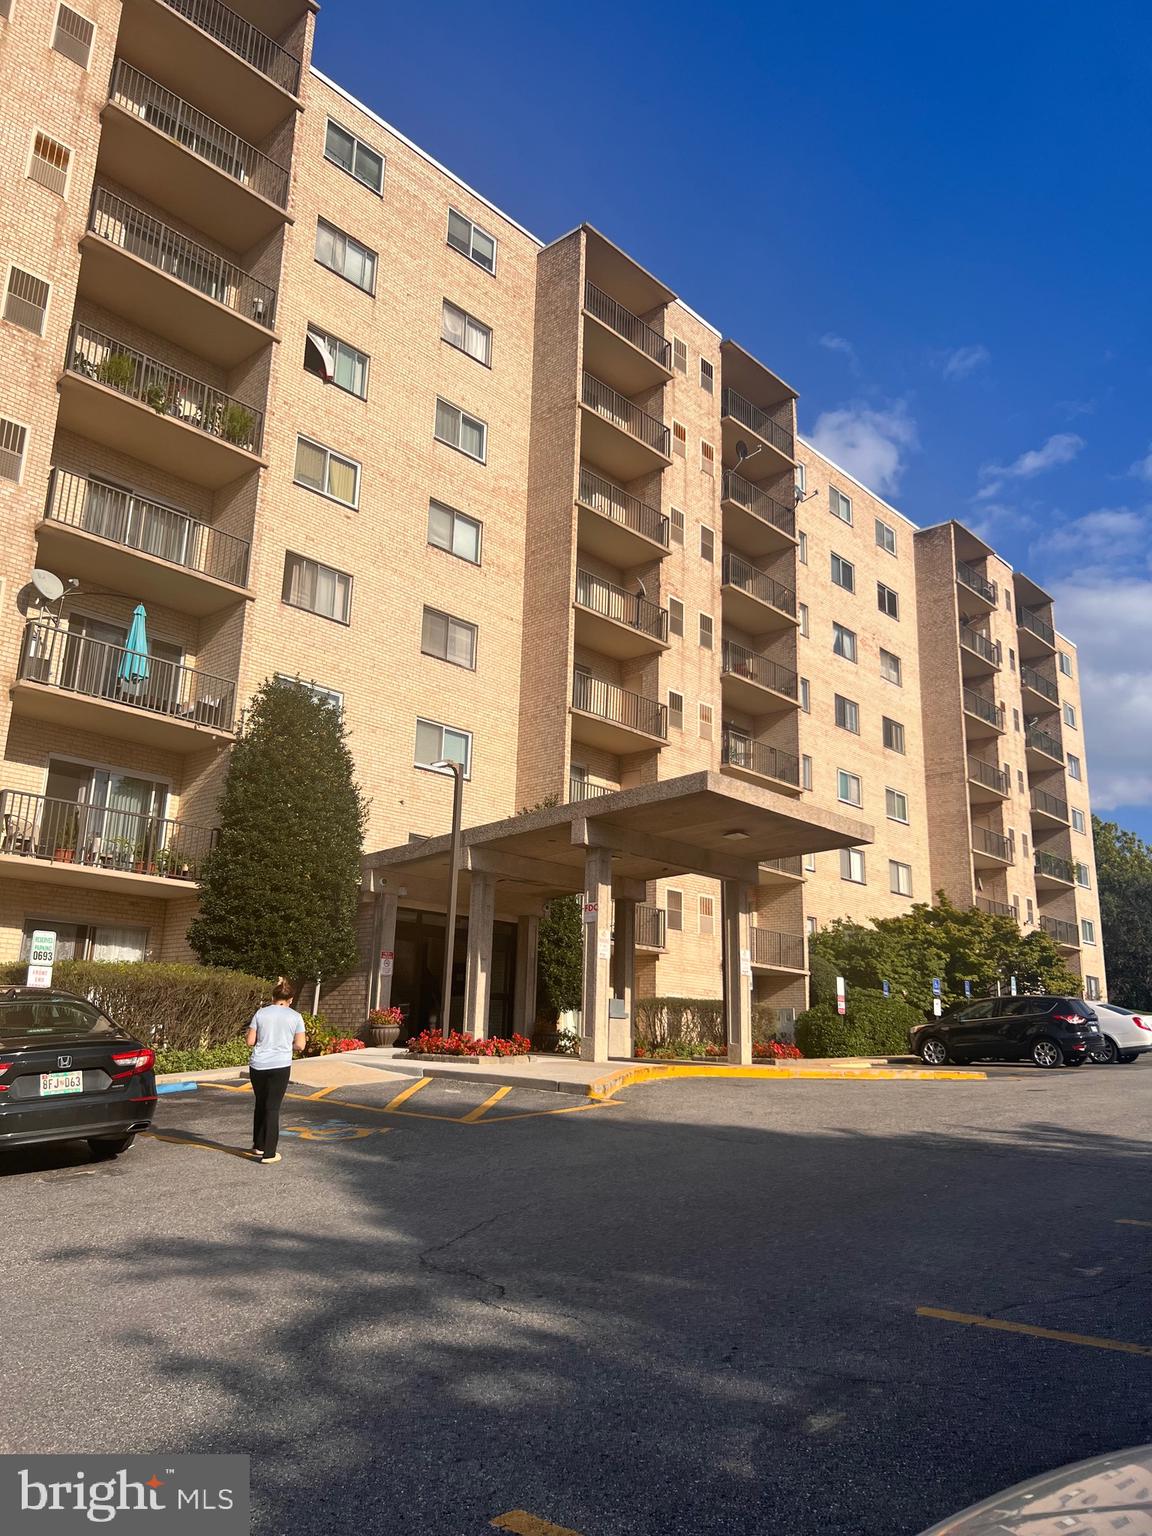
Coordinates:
65 856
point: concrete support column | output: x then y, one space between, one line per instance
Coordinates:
384 950
736 900
620 1031
597 954
527 951
478 974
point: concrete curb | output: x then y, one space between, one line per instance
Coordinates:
628 1077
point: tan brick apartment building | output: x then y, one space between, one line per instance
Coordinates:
275 377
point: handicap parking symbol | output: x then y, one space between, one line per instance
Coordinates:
329 1130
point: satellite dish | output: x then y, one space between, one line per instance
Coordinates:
48 587
741 450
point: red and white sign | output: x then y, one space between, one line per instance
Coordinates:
591 911
387 961
39 976
841 1004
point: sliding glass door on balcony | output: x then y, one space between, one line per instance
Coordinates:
114 513
94 658
114 811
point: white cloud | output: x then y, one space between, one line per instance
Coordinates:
1106 534
833 343
1142 468
1061 448
996 520
870 444
962 361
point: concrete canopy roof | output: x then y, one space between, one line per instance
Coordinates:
702 823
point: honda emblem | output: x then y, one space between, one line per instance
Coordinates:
63 1061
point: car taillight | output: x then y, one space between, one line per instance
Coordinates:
1140 1024
131 1062
1070 1018
5 1066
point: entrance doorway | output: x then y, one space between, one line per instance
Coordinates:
418 970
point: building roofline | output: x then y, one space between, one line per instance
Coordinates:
848 475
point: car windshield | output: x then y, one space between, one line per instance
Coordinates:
28 1022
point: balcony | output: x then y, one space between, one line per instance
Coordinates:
1066 935
993 908
651 927
983 716
755 522
97 848
1039 692
986 782
618 528
1053 873
991 850
1042 749
783 871
970 579
132 545
618 436
759 763
616 622
1036 637
755 684
1048 810
580 787
180 159
620 347
753 601
741 420
122 398
979 656
615 720
773 951
140 268
84 685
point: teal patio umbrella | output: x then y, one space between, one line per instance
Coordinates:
133 668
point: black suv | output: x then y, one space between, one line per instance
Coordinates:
1050 1031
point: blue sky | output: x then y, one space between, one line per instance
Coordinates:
933 222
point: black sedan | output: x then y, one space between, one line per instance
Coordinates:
1049 1031
68 1072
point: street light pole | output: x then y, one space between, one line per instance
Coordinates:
453 880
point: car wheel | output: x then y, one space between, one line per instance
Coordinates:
1046 1053
1076 1061
933 1052
110 1146
1107 1054
1126 1058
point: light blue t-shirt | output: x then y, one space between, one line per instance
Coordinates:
275 1028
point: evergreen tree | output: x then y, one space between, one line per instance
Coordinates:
560 959
279 894
1124 878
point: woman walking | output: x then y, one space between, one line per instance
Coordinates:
274 1033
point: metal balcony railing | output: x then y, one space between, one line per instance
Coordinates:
621 412
174 254
738 661
984 840
984 708
74 663
1063 932
1043 741
651 927
608 702
581 788
108 361
988 775
758 421
63 832
739 573
612 602
613 314
757 757
1057 868
780 950
207 139
995 908
1029 619
147 526
1050 805
622 507
759 503
978 643
243 39
791 864
1030 678
968 576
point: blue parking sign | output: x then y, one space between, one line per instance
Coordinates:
935 986
967 989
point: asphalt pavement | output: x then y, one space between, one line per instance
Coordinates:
728 1307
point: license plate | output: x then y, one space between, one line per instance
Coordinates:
61 1082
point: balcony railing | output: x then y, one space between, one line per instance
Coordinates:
759 503
612 602
608 702
984 840
738 573
622 507
621 412
207 139
1029 619
108 361
984 708
651 926
63 832
147 526
758 421
626 324
243 39
738 661
1063 932
1030 678
988 775
979 644
968 576
791 864
75 663
995 908
1057 868
581 788
780 950
1050 805
161 247
757 757
1043 741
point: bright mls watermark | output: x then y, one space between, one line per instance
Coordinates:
141 1495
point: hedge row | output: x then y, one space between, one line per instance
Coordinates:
874 1025
660 1021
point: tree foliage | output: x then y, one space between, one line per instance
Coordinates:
1124 880
560 960
280 893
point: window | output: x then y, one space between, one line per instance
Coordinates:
318 588
802 550
322 470
73 36
899 878
843 573
1082 877
1011 659
839 505
852 865
336 362
886 537
890 668
1065 663
887 601
676 710
705 716
707 544
676 525
801 478
896 805
26 301
436 743
1078 824
679 355
448 639
13 439
1087 930
893 733
1069 713
802 614
1092 993
805 772
466 433
1031 910
810 926
810 863
49 164
78 941
354 156
1008 599
706 631
1023 841
847 715
674 908
843 642
679 438
707 376
345 256
805 695
707 915
326 695
1073 766
675 616
471 241
707 458
453 531
460 330
1015 719
848 787
1019 779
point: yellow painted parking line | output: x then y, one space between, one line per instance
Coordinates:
524 1524
324 1092
1121 1346
482 1109
201 1143
406 1093
477 1116
536 1114
1130 1221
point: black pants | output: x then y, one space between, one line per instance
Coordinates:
269 1086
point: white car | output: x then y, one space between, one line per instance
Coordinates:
1127 1034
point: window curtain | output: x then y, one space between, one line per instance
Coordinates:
120 944
342 480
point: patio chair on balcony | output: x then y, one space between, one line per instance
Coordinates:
20 833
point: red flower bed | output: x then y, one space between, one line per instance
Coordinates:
344 1045
432 1043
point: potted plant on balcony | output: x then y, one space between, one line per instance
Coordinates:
118 854
116 370
144 859
236 425
155 394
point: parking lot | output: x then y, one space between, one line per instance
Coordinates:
710 1307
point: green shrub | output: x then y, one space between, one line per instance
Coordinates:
874 1025
234 1054
821 1031
693 1023
117 370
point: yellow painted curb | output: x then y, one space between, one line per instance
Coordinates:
628 1077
